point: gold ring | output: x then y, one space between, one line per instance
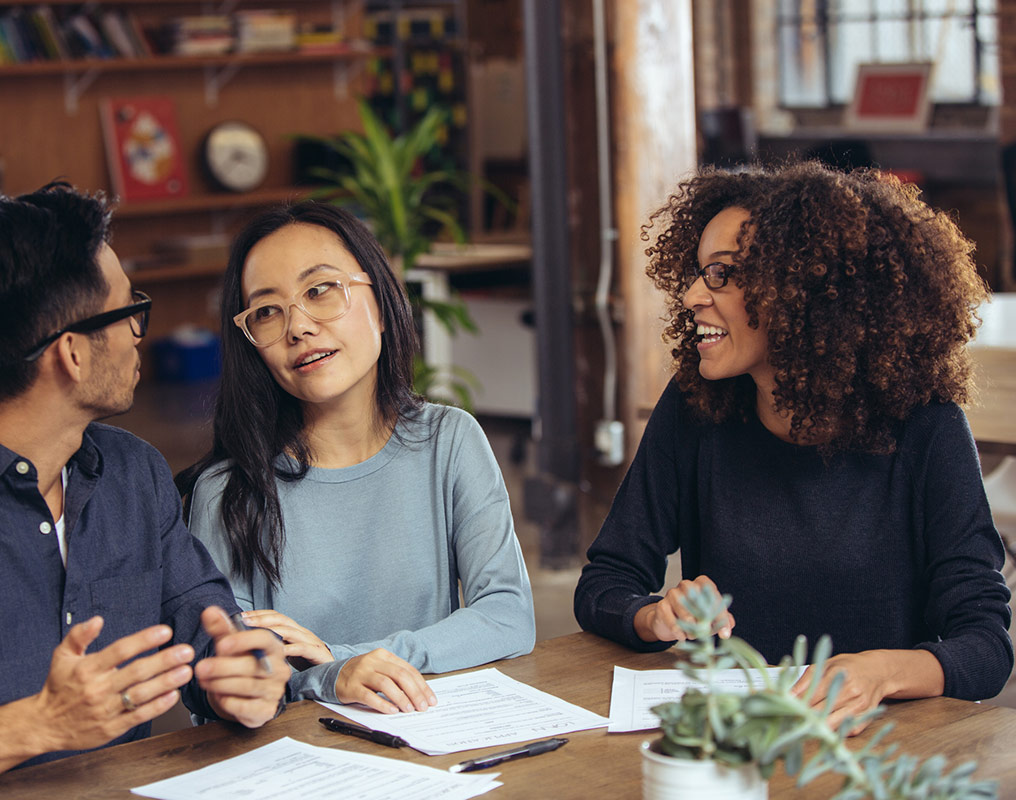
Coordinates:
125 698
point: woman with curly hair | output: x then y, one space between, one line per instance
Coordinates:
809 455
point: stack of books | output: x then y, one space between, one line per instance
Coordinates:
265 31
40 34
206 35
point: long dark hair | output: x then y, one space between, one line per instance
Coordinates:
256 421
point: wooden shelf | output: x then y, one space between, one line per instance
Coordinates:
212 202
170 62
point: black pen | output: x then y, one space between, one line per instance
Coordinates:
379 737
531 749
257 652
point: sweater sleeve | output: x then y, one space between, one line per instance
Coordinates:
496 619
628 559
968 601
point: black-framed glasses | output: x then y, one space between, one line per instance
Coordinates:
323 301
138 312
715 274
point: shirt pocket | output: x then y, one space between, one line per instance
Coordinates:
127 603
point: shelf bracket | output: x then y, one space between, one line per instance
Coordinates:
75 86
216 79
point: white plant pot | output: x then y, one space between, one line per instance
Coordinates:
668 778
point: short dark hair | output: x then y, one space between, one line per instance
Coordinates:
869 297
256 420
49 272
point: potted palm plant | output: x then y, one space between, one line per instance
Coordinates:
720 744
407 206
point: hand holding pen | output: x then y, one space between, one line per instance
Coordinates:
239 687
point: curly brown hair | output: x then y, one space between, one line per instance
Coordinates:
869 297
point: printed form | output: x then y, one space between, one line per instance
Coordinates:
478 709
633 693
290 770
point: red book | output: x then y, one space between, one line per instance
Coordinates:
143 148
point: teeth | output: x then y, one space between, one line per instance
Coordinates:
709 330
316 357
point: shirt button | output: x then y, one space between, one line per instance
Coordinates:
45 527
22 467
69 617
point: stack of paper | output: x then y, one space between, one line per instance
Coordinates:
478 709
634 692
290 769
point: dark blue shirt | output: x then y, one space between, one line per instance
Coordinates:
880 551
130 559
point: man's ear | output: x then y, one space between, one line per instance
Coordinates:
70 355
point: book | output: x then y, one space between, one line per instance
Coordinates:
143 147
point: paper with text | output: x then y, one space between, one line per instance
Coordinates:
288 769
634 692
478 709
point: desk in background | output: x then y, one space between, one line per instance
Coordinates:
502 356
594 764
992 416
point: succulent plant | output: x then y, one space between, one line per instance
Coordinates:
770 724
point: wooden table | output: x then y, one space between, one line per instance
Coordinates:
577 668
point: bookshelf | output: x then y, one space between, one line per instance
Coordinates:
51 129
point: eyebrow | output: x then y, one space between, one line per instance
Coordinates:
300 278
718 253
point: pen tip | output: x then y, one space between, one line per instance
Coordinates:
455 768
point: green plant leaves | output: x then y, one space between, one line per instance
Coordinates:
770 724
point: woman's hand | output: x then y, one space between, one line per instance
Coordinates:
871 677
363 677
657 622
299 642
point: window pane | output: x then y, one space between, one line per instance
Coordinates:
802 70
849 44
990 83
953 79
986 6
893 9
851 9
894 42
940 7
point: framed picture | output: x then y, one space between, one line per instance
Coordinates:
890 98
143 147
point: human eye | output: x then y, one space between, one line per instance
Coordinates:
264 313
319 290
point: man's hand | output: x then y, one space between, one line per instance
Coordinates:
362 677
238 687
88 700
657 622
300 643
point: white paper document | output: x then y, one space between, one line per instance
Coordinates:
634 692
290 769
478 709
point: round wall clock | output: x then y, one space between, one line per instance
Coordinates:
235 156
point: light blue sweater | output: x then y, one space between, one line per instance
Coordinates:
375 552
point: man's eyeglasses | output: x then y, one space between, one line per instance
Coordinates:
138 312
715 274
325 301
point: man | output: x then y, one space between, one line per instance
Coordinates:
110 609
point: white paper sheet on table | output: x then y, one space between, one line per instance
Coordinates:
478 709
634 692
288 769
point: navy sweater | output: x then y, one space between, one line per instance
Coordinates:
879 551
